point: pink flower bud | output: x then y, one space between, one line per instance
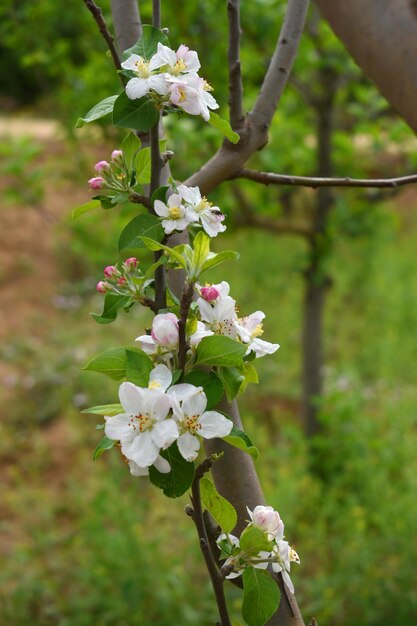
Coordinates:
110 271
117 155
101 165
265 518
130 264
102 287
165 330
209 293
121 281
96 183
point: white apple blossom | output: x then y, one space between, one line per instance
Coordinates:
161 465
199 334
160 378
144 80
144 428
267 519
188 408
249 329
176 215
191 93
281 558
183 61
210 216
219 315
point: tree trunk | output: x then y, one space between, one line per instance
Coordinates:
381 35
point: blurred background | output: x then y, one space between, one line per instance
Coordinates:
85 544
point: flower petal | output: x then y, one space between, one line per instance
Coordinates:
118 427
214 424
160 378
195 404
162 465
165 433
188 445
131 398
137 88
142 450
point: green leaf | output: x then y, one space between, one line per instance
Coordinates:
147 44
224 127
130 146
84 208
179 479
219 350
232 379
105 409
172 252
112 362
220 508
138 114
239 439
103 108
201 249
112 305
254 540
142 166
227 255
141 225
160 194
250 375
138 367
104 444
260 596
211 384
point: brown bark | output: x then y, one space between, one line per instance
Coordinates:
381 35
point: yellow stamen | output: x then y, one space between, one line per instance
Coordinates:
192 424
174 213
142 69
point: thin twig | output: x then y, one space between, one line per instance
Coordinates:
197 516
185 303
138 198
233 58
97 13
156 13
269 178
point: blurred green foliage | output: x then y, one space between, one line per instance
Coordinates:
94 546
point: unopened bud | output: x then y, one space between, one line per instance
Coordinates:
96 183
102 286
101 165
121 281
117 156
111 271
209 293
130 264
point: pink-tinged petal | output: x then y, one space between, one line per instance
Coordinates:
142 450
160 378
137 88
130 63
131 398
160 208
165 433
162 465
214 424
147 344
188 445
118 427
195 403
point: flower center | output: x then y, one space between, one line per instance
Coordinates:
223 327
179 67
142 69
203 205
141 422
207 86
257 331
174 212
154 385
191 424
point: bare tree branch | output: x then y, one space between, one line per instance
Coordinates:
230 158
127 22
233 57
97 13
268 178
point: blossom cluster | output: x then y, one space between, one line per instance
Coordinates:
170 79
187 206
128 280
156 416
113 175
218 316
280 554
